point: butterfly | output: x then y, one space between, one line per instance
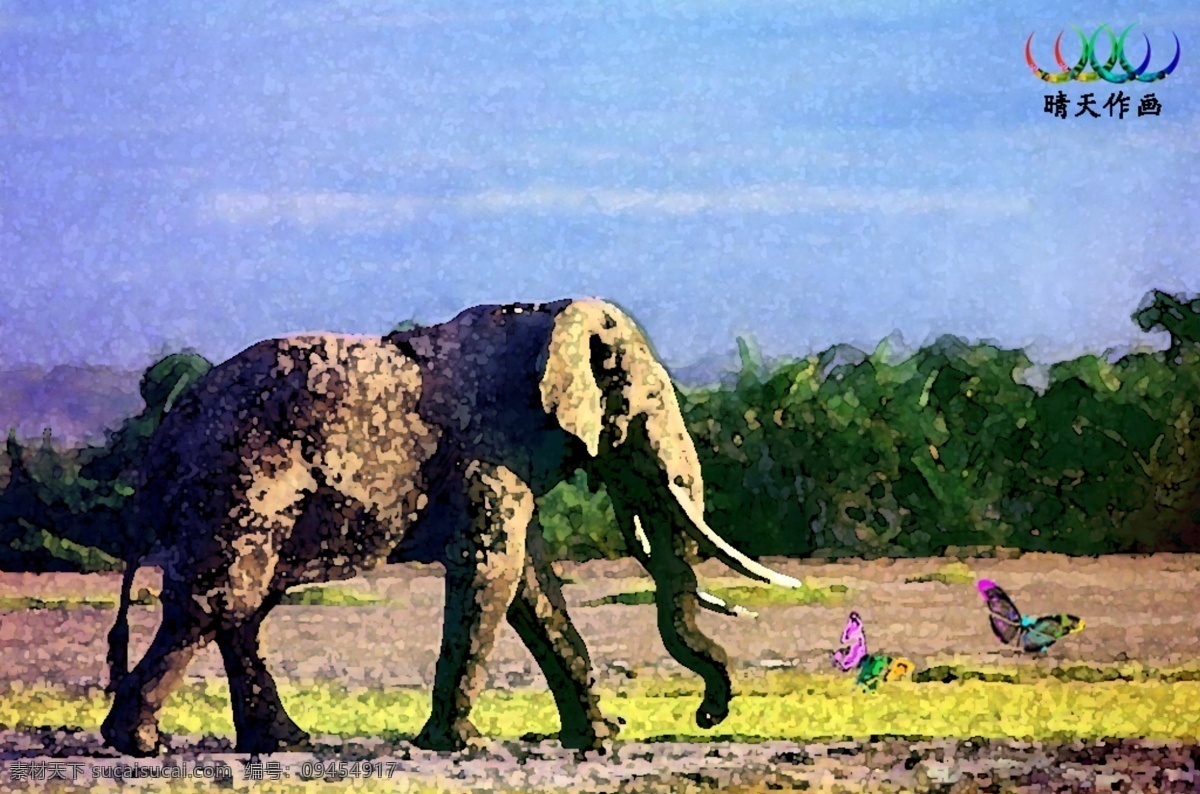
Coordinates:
873 669
1029 633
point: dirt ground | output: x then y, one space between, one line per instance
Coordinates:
1136 608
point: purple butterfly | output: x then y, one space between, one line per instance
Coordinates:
1026 632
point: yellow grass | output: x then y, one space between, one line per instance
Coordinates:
752 596
785 705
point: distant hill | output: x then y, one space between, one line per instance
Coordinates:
707 371
77 403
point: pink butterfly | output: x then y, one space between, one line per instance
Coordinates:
854 642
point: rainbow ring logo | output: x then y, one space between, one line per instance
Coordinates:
1100 71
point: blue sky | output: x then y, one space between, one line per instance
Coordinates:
806 173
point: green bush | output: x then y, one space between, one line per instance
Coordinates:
852 454
578 524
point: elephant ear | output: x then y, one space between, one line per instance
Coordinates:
591 335
569 388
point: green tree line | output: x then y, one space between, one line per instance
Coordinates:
842 453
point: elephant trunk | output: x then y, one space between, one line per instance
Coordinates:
705 599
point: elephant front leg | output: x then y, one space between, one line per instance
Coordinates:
483 571
539 615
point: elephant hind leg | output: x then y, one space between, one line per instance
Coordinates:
668 561
483 572
131 726
539 615
260 721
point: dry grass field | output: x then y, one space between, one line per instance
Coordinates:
1114 708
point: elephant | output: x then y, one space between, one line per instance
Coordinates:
310 458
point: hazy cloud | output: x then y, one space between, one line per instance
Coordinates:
354 212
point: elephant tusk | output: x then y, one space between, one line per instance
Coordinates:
697 528
640 534
714 604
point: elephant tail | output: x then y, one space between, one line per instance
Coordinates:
118 636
